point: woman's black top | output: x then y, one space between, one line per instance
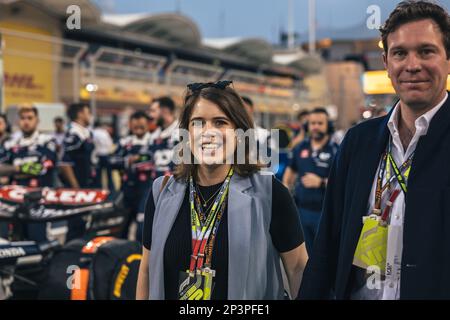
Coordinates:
285 230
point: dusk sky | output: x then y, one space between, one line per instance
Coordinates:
255 18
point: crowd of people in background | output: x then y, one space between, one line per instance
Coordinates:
380 199
82 153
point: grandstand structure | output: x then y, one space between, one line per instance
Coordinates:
115 62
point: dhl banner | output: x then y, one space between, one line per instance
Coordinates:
378 82
262 89
26 79
118 95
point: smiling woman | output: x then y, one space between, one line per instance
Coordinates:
217 229
218 143
212 115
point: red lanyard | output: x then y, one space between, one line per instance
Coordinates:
379 191
204 232
207 243
389 204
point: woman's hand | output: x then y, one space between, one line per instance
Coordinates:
142 288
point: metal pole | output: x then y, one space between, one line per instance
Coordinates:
76 73
76 82
92 95
94 58
312 26
291 25
342 109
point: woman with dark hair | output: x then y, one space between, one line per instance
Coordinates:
218 227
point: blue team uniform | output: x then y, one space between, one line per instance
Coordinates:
38 148
78 152
160 152
309 200
136 178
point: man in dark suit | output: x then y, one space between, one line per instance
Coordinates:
385 229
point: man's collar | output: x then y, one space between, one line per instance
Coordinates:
76 124
425 118
26 141
167 132
79 127
80 130
31 137
143 140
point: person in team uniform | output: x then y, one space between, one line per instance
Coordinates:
160 148
29 160
78 161
132 159
310 165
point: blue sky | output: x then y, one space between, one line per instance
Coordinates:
256 18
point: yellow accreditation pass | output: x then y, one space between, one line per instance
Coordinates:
372 245
197 287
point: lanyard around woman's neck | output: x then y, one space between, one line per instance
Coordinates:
204 232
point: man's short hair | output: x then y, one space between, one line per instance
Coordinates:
320 110
248 101
139 115
25 108
58 119
302 114
410 11
74 109
166 102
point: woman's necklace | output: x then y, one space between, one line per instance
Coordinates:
205 202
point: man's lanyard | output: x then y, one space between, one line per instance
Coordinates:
204 231
398 174
401 174
389 205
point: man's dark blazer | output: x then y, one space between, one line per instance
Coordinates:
425 269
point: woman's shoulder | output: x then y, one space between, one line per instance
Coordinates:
171 181
158 181
159 184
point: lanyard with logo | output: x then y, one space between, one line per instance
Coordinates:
197 282
371 249
400 174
